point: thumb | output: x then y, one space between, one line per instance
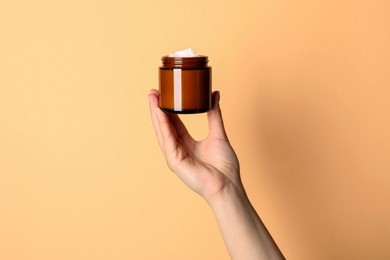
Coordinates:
216 126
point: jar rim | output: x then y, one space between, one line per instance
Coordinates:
199 61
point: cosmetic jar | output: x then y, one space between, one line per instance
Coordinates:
185 84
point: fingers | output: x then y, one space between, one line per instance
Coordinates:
153 104
216 126
165 132
169 136
180 128
168 128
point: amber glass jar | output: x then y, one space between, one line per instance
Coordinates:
185 85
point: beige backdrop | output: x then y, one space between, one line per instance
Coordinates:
305 95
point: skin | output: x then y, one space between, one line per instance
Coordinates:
210 168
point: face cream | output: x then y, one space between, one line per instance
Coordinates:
185 83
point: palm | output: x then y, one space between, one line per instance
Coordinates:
205 166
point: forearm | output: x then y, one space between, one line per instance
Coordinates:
244 233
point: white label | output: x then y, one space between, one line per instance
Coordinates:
177 89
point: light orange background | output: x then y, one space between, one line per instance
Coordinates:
305 96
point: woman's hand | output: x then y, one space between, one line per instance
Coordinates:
210 168
207 166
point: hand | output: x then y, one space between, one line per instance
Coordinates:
207 166
210 168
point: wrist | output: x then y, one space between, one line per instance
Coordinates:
230 194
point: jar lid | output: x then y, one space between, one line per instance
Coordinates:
185 62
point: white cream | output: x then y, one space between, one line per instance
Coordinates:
184 53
